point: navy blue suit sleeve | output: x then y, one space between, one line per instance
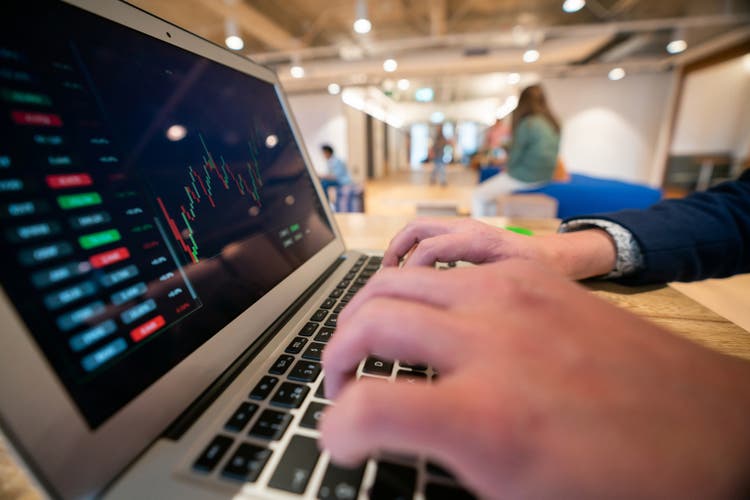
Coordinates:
705 235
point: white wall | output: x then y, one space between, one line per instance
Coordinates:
713 115
610 129
321 121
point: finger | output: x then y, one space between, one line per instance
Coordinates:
430 286
447 248
396 417
410 235
393 329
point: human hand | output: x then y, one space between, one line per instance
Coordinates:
544 389
424 241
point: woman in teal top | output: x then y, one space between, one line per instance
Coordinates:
533 155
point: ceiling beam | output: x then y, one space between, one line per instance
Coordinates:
438 17
504 38
253 23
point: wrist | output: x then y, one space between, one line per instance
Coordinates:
580 254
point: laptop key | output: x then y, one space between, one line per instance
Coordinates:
419 368
305 371
341 483
312 415
325 334
308 329
411 377
395 482
281 365
290 395
339 308
246 463
296 345
319 315
264 388
331 321
296 465
270 425
213 453
375 366
321 392
241 417
336 293
437 470
328 303
434 491
314 351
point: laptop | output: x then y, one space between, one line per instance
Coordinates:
170 272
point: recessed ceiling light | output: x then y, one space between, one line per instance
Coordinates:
390 65
571 6
530 56
234 42
616 74
334 88
676 46
297 71
514 78
403 84
362 26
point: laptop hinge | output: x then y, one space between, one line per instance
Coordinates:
183 422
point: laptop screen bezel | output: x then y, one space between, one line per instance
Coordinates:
36 412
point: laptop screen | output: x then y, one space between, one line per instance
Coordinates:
148 196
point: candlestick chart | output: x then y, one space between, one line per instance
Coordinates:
202 191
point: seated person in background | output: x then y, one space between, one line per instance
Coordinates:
546 391
338 174
533 153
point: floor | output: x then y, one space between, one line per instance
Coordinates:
401 192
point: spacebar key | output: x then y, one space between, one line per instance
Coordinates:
296 466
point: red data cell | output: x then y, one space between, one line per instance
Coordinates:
68 181
110 257
141 332
32 118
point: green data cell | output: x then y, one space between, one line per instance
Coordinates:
71 201
94 240
20 97
294 228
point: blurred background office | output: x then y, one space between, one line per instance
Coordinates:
649 94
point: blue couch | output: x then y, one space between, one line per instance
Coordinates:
589 195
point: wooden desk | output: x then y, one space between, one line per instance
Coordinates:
662 304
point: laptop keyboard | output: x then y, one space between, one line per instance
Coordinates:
241 450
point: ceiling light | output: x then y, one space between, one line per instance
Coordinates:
616 74
334 88
232 40
676 46
425 94
514 78
403 84
362 24
390 65
530 56
571 6
437 117
297 71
